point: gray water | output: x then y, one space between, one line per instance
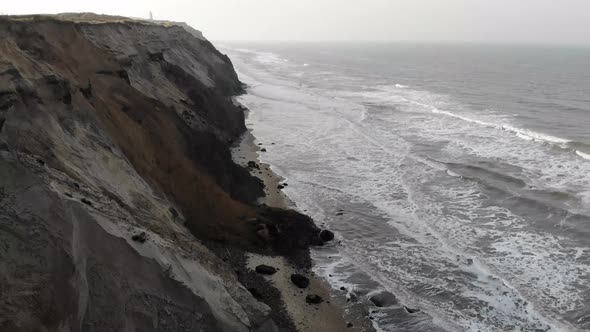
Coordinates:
463 172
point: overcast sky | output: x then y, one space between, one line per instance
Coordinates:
538 21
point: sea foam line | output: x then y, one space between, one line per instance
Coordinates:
525 134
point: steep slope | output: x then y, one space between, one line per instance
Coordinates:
110 129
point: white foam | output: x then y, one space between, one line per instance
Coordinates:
401 86
525 134
536 135
464 118
583 155
453 174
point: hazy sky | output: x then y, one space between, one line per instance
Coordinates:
540 21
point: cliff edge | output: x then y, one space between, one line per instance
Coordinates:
117 182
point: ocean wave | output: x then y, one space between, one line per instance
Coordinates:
525 134
583 155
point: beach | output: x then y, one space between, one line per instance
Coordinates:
331 315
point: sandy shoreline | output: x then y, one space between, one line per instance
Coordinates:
330 315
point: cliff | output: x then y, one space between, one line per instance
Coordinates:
117 182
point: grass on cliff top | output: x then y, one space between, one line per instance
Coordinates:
91 18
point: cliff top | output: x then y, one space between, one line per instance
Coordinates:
92 18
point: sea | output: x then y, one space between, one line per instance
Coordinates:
455 176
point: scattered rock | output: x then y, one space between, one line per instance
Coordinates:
265 269
85 201
41 162
383 299
349 325
469 261
263 150
141 237
299 280
411 311
313 299
253 165
68 194
326 235
342 288
280 186
339 214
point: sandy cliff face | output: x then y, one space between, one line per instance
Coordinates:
108 130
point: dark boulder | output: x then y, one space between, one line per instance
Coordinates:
326 235
299 280
253 165
124 75
263 150
265 269
313 299
141 237
85 201
384 299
